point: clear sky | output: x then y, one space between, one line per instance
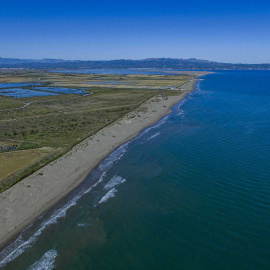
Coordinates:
226 31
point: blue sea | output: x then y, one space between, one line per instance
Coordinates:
190 192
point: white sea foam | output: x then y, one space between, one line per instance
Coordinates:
179 106
110 194
115 181
155 135
180 113
46 262
114 157
100 179
15 253
157 125
83 224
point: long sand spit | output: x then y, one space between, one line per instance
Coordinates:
23 203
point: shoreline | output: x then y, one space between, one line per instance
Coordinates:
23 203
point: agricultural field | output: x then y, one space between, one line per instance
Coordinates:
45 127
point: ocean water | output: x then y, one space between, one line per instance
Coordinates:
190 192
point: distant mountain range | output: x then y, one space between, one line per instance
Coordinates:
155 63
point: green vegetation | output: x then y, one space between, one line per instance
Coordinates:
50 126
13 161
8 103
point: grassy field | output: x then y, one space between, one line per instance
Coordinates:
60 122
8 103
17 160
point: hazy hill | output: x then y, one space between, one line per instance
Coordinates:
161 63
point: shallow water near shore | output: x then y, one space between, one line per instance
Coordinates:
190 192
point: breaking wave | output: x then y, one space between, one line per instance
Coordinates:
155 135
46 262
114 157
110 194
115 181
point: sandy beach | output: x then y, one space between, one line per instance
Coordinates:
27 200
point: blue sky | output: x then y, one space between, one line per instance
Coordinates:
226 31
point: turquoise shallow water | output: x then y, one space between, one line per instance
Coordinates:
191 192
